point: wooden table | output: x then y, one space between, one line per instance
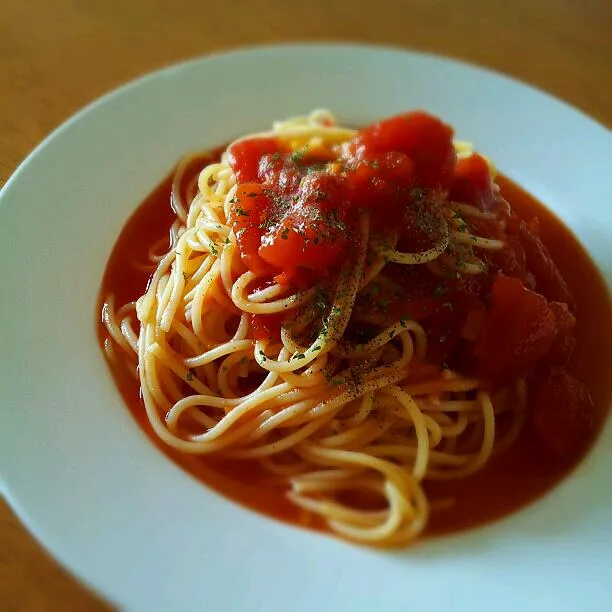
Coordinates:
57 56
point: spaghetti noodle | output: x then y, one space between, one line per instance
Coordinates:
277 328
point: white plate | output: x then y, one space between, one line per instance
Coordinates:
109 505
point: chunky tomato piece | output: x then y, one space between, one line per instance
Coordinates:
250 209
295 244
562 414
397 169
314 232
472 183
382 184
267 327
422 221
426 140
549 280
368 188
283 174
301 278
322 195
563 346
245 155
518 331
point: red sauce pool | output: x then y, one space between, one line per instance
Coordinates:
510 481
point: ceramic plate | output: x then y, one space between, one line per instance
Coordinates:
118 513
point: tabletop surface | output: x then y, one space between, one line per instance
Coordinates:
57 56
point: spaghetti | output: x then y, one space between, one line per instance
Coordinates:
283 325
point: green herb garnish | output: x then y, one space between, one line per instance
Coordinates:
298 156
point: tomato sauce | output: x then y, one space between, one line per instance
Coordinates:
511 480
